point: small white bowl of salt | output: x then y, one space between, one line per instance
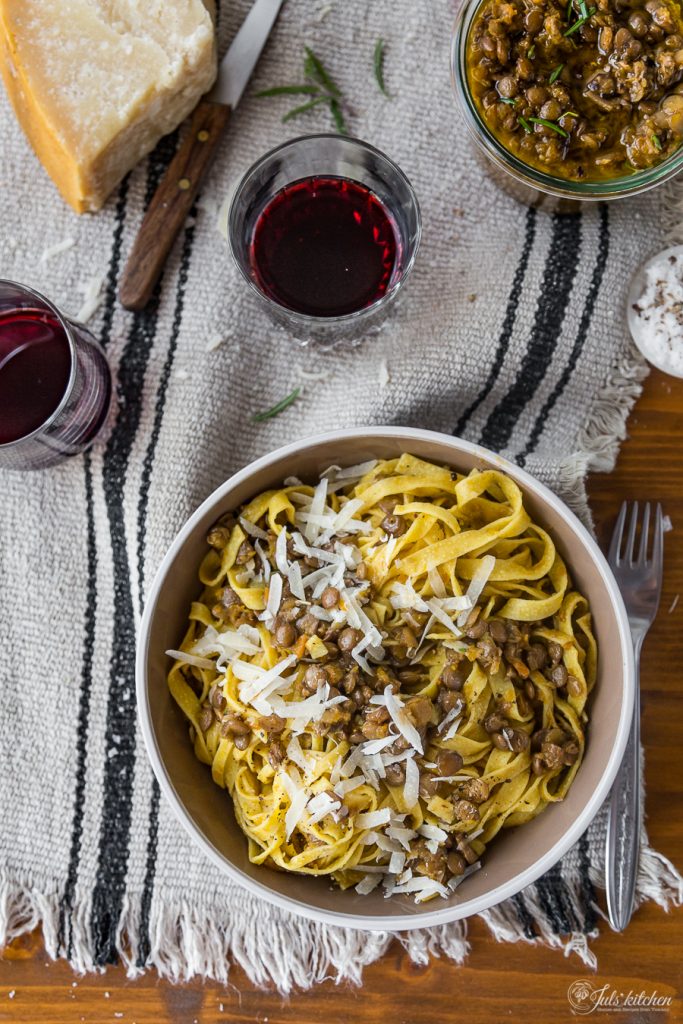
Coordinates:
655 310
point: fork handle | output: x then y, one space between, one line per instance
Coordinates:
623 826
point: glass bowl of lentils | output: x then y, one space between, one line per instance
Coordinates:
577 99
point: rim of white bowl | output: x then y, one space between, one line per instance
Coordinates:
437 915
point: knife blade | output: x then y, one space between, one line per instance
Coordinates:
178 189
243 53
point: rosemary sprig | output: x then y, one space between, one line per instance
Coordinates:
556 74
378 64
268 414
550 124
582 21
657 142
297 111
570 7
525 125
322 90
314 68
288 90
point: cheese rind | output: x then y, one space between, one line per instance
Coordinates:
96 83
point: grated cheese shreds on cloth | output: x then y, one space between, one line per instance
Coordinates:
333 685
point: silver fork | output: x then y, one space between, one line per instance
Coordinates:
640 582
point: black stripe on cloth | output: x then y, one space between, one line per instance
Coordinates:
148 463
556 288
548 902
508 320
144 936
581 334
66 903
564 898
587 888
119 739
525 918
556 901
114 263
153 824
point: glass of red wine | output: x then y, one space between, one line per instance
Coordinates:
325 230
55 383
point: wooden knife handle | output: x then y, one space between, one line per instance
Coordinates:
171 204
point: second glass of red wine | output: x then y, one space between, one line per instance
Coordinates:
325 230
55 383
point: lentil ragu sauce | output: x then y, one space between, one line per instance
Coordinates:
584 91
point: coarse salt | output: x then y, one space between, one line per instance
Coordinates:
658 320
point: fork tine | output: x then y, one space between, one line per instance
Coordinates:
657 547
631 536
617 534
644 531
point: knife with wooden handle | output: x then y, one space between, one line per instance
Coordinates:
178 189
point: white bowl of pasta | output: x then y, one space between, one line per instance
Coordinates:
385 678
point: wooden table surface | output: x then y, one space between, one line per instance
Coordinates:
499 981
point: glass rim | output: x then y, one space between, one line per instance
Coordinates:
563 188
64 324
307 318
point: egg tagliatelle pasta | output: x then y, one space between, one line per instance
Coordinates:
384 669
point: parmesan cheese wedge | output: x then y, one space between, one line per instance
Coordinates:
96 83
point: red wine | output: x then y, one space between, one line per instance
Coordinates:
35 366
324 246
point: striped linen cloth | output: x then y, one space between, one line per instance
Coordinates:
510 333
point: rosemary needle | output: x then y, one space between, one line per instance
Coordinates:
580 22
378 63
550 124
525 125
297 111
339 121
314 68
657 142
259 417
288 90
556 74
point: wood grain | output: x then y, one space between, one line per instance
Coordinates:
171 204
498 982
